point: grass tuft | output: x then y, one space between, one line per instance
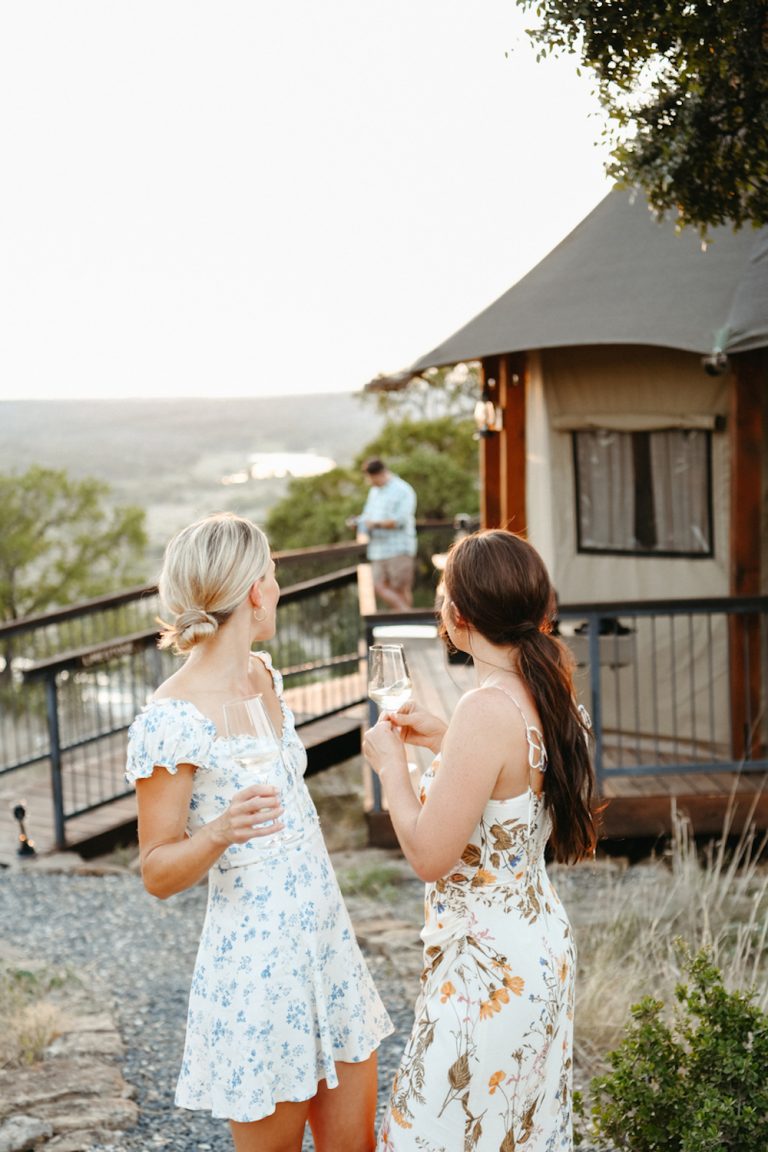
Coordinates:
629 943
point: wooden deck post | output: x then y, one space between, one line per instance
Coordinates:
503 454
746 431
512 385
490 454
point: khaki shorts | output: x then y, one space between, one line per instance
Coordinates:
396 571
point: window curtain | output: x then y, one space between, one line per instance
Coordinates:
680 491
643 491
606 490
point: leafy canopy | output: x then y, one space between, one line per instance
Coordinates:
685 87
60 541
434 393
438 457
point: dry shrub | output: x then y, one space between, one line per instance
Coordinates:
30 1031
629 934
28 1020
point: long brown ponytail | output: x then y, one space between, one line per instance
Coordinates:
501 587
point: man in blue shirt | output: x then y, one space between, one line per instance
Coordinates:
389 521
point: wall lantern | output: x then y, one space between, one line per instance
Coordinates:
717 363
488 416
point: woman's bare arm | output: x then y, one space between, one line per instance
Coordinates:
172 861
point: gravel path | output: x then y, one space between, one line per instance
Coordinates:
137 954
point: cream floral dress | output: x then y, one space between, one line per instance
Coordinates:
488 1063
280 989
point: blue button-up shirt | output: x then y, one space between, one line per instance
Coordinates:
395 500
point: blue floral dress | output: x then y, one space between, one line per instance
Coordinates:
488 1064
280 989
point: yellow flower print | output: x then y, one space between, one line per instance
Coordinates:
398 1117
488 1007
447 991
516 984
500 996
563 971
482 877
495 1080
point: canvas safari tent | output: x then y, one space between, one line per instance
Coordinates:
626 382
609 333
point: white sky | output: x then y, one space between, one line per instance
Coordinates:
232 197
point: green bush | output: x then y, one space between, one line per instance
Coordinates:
698 1083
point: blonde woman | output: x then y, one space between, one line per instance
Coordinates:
284 1020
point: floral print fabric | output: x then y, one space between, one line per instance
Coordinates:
488 1063
280 989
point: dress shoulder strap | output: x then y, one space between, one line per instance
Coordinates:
537 752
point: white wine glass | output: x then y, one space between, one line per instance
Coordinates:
389 682
255 748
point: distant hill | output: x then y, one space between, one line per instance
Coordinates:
169 456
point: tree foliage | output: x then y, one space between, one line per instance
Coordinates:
438 457
685 86
315 509
61 541
434 393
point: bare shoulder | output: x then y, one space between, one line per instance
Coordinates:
479 702
497 708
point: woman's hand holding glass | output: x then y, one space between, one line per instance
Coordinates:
418 727
255 811
256 751
382 746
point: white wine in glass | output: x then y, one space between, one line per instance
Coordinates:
255 748
389 682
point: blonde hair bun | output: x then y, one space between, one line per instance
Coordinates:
208 570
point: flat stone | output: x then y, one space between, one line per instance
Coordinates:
54 1080
371 929
99 1042
106 1113
19 1133
96 1022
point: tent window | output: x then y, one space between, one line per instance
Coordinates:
645 493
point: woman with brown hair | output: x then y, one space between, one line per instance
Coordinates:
488 1063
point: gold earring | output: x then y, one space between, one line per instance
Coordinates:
258 618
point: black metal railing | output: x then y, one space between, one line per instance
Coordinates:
80 703
672 686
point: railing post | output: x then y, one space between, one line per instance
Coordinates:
594 697
54 738
373 715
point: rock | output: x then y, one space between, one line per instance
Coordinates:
19 1133
75 1097
42 1086
373 927
78 1115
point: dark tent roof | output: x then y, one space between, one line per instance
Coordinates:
623 277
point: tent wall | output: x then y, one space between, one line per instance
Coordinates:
632 388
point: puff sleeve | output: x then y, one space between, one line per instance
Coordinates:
167 733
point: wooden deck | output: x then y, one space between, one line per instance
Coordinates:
636 808
328 742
